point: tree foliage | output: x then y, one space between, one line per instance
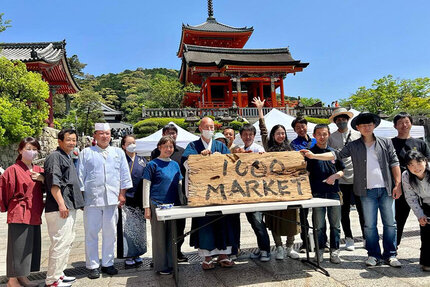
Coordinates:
23 109
390 96
4 24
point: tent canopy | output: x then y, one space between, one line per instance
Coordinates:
386 128
146 145
275 117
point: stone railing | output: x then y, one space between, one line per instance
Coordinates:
250 112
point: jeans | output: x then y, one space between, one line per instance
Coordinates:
378 198
333 214
259 227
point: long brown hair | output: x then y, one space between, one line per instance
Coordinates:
24 142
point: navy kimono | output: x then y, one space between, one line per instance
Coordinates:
218 235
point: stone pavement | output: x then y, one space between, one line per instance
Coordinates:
247 272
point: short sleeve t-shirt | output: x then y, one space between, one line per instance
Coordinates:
164 177
320 170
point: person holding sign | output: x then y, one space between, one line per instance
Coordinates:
377 181
323 177
162 183
247 134
278 141
218 237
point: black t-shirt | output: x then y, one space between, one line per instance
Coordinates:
402 146
60 171
320 170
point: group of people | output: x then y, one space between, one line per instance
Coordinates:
118 190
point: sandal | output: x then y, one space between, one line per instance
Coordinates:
208 265
225 262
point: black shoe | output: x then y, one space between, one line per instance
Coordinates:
165 272
94 273
111 270
182 258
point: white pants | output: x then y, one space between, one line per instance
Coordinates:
61 233
96 218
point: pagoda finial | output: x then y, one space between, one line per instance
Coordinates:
210 10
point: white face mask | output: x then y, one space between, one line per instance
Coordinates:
131 148
207 134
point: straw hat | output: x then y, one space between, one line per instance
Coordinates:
340 111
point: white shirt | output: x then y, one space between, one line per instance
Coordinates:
102 174
207 145
373 170
254 148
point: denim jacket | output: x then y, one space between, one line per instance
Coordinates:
387 159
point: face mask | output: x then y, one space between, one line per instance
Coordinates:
131 148
207 134
29 155
342 125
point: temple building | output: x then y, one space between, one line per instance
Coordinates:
213 58
50 60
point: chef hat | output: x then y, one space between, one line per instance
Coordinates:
102 127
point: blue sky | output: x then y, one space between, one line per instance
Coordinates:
347 43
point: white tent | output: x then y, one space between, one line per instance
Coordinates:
146 145
275 117
386 128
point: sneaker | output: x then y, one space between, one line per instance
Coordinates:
129 263
302 249
94 273
182 258
256 254
165 272
327 248
371 261
349 244
68 279
138 261
292 253
233 257
321 256
334 256
425 268
280 253
110 270
265 256
59 283
394 262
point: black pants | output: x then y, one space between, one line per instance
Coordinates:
402 213
348 198
180 228
425 238
306 222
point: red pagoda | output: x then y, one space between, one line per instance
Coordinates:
49 59
213 59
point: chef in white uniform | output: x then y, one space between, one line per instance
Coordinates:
104 177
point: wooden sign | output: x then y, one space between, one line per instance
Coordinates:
246 178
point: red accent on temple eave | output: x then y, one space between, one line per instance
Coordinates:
219 39
236 68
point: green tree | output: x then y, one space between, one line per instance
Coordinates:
4 24
76 67
390 95
23 107
307 102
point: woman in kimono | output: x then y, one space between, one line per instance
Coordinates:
278 141
131 222
21 196
162 182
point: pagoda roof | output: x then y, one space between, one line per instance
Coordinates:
212 25
49 58
211 56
